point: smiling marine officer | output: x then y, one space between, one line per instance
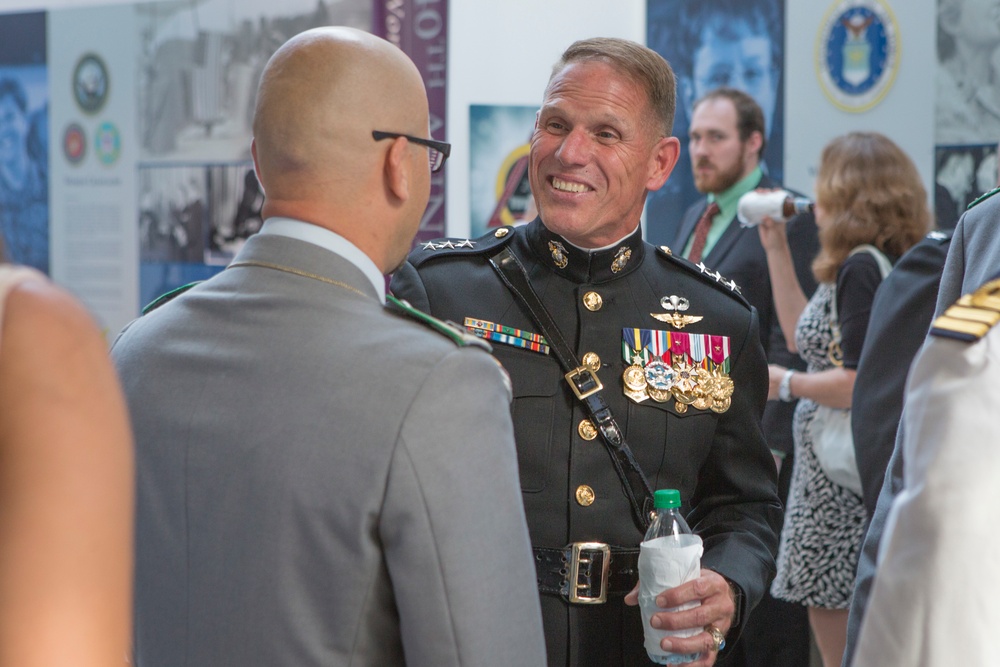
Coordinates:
632 369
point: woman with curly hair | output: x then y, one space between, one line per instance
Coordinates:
868 193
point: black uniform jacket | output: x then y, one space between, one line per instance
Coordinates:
718 461
739 256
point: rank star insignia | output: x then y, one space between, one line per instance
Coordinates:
674 305
445 244
430 245
465 244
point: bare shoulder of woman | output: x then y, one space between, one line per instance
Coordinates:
66 485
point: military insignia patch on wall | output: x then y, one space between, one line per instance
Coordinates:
857 53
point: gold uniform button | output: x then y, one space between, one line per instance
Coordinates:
502 232
587 430
592 361
593 301
585 495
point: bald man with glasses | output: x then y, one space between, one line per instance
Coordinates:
323 480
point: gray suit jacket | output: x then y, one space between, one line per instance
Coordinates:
974 255
321 481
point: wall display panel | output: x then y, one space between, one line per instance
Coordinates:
713 43
499 192
24 140
93 153
138 116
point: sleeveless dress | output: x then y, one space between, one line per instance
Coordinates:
824 522
10 276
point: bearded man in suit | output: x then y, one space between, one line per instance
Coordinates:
726 142
313 467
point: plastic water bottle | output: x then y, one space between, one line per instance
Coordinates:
778 205
667 533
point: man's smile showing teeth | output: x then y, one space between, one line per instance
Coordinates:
566 186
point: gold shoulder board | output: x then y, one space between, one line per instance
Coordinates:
972 316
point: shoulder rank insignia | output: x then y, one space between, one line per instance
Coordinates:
983 197
675 307
704 272
167 297
693 369
972 316
431 250
457 335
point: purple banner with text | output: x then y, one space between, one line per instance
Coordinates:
420 29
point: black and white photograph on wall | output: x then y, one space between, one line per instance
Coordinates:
968 72
235 202
173 214
24 141
710 44
175 208
961 175
200 63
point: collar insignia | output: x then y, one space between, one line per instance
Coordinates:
558 251
621 259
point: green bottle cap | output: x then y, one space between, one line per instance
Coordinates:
665 498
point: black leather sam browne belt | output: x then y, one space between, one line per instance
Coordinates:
584 572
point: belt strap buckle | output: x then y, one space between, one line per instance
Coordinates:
577 556
579 376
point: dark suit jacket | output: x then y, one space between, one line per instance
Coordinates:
901 314
739 256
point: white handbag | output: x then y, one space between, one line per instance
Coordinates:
831 427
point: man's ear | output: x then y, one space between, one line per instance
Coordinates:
663 160
754 142
397 169
256 166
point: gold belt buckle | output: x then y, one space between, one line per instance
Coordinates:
577 557
577 372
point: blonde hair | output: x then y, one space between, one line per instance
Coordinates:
872 193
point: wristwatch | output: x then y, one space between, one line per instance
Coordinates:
785 388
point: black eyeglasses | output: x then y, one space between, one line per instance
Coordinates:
437 151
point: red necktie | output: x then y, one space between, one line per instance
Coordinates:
701 232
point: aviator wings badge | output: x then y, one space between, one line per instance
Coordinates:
675 307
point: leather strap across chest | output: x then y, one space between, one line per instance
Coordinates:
585 385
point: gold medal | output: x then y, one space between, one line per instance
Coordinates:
634 378
685 380
659 395
703 402
680 407
718 385
636 396
721 406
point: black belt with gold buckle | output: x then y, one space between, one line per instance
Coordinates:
586 572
